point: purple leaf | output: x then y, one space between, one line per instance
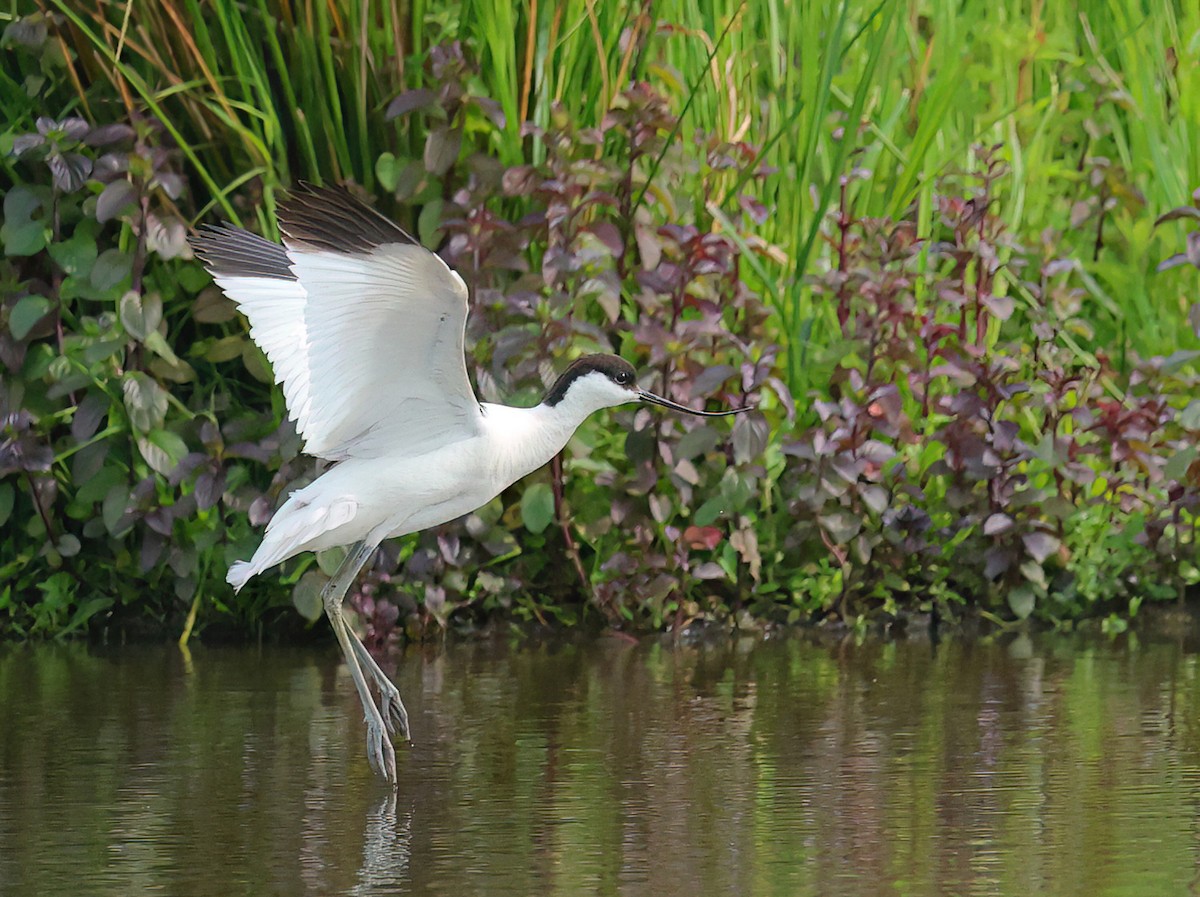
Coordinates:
710 378
875 497
161 521
1040 545
24 454
260 511
1173 261
209 487
753 208
29 31
107 134
184 468
491 109
997 560
1058 266
152 550
520 180
1001 306
1175 214
410 101
1193 248
70 170
997 525
116 198
750 436
167 236
441 149
88 415
606 232
170 182
74 128
25 142
785 396
709 570
841 526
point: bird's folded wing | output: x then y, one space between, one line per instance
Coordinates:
363 327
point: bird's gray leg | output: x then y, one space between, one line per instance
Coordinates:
390 705
380 752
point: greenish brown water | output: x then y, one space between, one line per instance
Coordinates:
1044 766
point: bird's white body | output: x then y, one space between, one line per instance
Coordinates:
371 499
364 329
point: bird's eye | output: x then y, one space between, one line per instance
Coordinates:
623 377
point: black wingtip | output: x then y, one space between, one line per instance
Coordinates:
229 251
332 218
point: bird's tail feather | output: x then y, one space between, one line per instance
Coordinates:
290 531
239 573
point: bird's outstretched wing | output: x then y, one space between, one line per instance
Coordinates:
363 325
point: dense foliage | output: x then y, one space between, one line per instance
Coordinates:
953 410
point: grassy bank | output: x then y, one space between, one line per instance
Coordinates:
925 242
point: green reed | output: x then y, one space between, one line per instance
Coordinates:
1097 104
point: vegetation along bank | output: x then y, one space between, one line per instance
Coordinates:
951 254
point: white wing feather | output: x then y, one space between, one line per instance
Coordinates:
366 343
275 309
384 367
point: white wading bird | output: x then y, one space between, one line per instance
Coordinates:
364 328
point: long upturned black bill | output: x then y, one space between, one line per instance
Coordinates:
667 403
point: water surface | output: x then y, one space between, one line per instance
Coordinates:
1024 766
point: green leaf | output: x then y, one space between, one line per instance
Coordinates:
113 510
102 350
162 449
225 349
24 239
140 315
76 255
388 171
145 401
22 235
213 307
710 511
26 314
7 499
192 278
1189 418
1034 574
85 612
174 369
306 595
330 559
112 267
96 488
1021 601
429 222
1177 467
158 345
256 363
537 507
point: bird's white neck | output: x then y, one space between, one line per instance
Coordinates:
523 439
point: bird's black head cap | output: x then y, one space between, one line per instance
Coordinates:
617 369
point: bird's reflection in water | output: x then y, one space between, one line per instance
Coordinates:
387 846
